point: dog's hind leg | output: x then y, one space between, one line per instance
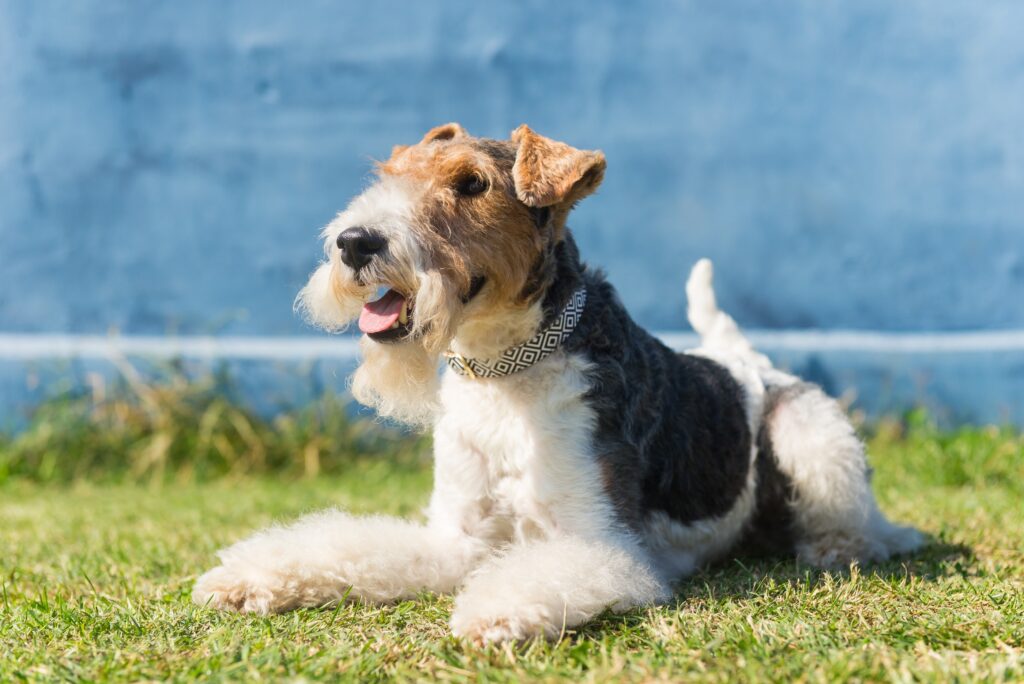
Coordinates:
836 517
327 557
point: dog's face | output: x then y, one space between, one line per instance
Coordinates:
448 220
453 230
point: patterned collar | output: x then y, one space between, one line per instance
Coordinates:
523 356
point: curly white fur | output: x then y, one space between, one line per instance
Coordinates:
544 587
327 556
836 514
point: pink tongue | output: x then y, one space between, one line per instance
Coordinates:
380 315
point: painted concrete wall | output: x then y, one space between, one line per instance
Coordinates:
165 167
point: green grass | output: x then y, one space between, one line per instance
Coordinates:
96 567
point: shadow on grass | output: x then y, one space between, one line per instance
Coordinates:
747 578
749 575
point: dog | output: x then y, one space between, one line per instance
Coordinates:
580 465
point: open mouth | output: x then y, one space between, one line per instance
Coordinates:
388 318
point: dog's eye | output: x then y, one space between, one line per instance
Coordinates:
473 184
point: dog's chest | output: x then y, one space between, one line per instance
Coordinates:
518 450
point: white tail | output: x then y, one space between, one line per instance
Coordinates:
717 330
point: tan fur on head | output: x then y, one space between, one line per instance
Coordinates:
440 238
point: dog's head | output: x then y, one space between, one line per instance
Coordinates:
452 244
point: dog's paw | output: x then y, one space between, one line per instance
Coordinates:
230 588
518 624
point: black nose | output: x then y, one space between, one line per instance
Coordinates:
358 245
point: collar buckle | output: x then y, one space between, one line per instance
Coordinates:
461 363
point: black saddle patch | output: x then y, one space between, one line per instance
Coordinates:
672 433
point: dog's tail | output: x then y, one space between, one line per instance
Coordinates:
717 329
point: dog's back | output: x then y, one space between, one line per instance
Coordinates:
714 450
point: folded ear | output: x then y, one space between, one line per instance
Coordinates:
548 172
446 131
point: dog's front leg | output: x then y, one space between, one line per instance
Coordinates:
326 557
541 588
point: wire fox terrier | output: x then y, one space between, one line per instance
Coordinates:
580 465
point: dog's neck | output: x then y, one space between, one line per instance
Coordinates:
521 357
559 278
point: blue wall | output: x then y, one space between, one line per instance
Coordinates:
165 166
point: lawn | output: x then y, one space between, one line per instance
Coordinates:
96 572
